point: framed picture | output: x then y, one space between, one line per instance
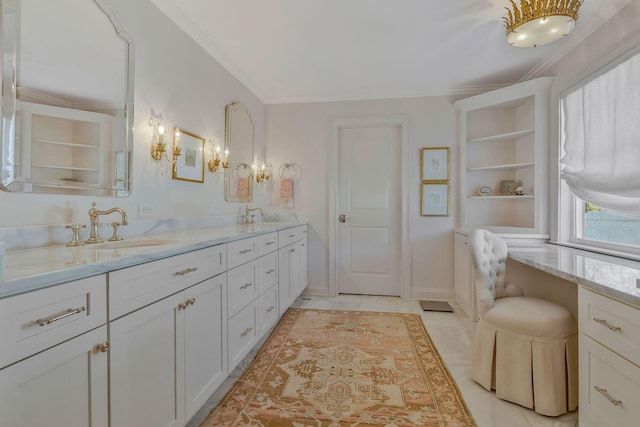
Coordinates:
189 165
435 199
435 164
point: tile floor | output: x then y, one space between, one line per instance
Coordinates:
452 334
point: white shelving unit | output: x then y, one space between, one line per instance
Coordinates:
64 147
503 135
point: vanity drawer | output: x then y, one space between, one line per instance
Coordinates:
241 251
612 323
37 320
267 272
291 235
242 286
135 287
266 243
242 334
609 386
267 310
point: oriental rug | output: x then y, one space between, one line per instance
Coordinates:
331 368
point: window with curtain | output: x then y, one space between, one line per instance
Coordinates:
600 162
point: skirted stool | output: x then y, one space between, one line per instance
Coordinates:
526 349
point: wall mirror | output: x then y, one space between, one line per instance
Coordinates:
239 142
67 104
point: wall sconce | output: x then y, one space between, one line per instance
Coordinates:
262 171
214 161
158 149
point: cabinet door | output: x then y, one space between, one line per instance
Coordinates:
303 264
294 271
147 366
64 386
205 341
463 276
284 279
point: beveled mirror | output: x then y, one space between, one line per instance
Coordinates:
239 142
67 105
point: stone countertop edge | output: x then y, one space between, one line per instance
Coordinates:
609 275
36 268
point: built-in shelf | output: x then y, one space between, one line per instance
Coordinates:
68 168
512 166
524 196
64 144
510 136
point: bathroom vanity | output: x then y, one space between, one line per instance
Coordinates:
143 331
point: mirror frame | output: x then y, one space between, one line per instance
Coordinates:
120 186
229 113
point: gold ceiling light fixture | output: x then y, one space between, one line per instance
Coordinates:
538 22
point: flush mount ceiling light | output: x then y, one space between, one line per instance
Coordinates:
538 22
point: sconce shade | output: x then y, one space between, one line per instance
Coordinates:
539 22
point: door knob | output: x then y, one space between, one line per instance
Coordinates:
343 218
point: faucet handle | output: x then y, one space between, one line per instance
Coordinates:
75 239
115 237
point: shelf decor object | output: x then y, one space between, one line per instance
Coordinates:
435 164
538 22
435 199
190 165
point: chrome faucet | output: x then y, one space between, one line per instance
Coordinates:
246 220
94 213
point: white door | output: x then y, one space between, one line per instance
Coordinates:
370 208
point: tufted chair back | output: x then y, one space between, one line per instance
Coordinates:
489 256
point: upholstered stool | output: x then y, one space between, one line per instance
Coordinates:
525 348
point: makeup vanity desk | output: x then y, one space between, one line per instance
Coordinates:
609 328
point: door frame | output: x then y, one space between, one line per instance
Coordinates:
405 249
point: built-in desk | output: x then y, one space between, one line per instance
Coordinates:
608 311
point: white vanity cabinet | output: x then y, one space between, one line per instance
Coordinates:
167 358
53 360
292 259
609 361
252 298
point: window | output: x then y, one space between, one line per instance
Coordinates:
600 144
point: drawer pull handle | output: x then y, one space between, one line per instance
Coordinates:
246 332
246 285
270 309
246 251
70 312
270 243
187 271
104 347
607 324
271 271
291 236
603 391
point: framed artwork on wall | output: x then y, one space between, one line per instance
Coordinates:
435 199
189 165
435 164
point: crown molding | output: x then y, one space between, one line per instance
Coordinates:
34 95
192 30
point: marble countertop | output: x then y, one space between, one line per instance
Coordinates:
34 268
609 275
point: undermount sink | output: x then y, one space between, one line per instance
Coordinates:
131 243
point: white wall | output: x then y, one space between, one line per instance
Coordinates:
177 78
301 134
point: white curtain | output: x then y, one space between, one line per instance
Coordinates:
601 139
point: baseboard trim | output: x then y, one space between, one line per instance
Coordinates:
316 290
433 294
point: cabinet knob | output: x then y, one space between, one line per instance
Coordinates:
182 305
104 347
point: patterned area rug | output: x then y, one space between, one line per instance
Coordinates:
344 368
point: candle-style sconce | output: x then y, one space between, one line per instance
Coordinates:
262 171
158 147
215 161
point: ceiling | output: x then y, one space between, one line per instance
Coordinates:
334 50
